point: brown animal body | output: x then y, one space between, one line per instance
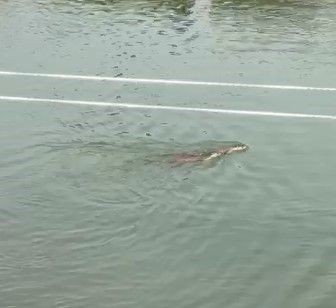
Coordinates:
185 158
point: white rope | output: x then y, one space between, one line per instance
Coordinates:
166 81
171 108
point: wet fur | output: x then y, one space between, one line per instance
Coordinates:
185 158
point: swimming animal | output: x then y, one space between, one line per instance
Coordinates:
184 158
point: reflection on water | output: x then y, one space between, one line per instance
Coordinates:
290 25
179 7
267 16
249 41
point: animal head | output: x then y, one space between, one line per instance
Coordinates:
233 148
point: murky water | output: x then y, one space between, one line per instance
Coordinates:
91 211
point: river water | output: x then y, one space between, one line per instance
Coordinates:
91 212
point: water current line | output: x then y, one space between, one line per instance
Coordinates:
168 108
166 81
